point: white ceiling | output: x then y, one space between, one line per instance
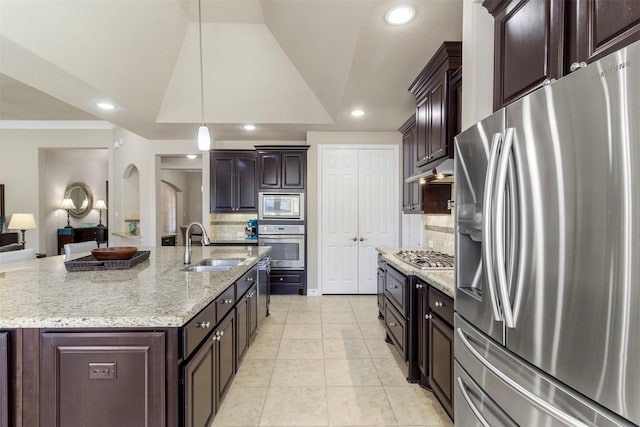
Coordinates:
288 66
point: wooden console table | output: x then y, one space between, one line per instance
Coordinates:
83 234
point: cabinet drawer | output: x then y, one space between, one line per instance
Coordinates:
396 289
441 304
286 277
245 282
224 303
197 329
396 327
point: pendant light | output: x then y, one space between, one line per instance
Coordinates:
204 139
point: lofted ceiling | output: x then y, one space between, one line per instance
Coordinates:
287 66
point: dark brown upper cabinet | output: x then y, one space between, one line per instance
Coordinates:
538 41
411 192
528 44
282 167
596 28
233 181
436 110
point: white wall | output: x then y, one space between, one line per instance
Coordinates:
145 155
90 166
477 63
189 185
22 166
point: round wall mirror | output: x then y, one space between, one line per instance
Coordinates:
82 198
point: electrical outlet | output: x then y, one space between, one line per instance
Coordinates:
102 371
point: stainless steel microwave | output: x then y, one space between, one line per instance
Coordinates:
281 206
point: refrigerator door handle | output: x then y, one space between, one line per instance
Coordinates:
532 398
501 265
472 406
487 221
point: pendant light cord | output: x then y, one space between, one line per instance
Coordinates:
201 66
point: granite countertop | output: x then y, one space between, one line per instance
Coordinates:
443 280
41 293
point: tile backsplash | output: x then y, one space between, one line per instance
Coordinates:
228 226
440 230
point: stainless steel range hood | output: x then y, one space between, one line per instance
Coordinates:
442 172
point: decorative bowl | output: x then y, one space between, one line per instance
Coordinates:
114 253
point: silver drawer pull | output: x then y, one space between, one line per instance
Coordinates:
438 304
227 301
428 316
249 279
392 287
391 324
204 325
419 286
467 398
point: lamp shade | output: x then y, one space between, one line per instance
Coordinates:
100 204
204 139
22 221
68 204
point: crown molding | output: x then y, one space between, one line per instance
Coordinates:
55 124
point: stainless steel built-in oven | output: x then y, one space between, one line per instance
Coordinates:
281 206
287 244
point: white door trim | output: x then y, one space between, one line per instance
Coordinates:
321 148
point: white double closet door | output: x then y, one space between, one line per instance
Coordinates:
359 211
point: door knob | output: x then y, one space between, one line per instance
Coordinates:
362 239
355 239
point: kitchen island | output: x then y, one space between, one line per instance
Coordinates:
417 307
153 345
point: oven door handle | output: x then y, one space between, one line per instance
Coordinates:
282 236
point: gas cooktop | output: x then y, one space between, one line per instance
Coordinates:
426 260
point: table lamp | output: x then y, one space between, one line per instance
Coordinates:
100 205
68 204
22 222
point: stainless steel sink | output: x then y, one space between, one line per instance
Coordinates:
229 262
212 265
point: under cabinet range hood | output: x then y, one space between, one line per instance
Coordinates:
442 172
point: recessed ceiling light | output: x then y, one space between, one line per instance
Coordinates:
192 156
357 113
249 127
105 106
400 15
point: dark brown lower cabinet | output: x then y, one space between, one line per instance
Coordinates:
225 355
441 348
382 273
422 327
102 379
253 311
441 362
4 379
246 322
287 281
200 386
242 332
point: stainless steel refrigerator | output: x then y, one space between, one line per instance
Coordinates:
547 327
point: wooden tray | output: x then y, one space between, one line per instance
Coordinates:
89 263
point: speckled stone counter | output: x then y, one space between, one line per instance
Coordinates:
41 293
442 280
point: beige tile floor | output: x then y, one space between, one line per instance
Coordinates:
322 361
